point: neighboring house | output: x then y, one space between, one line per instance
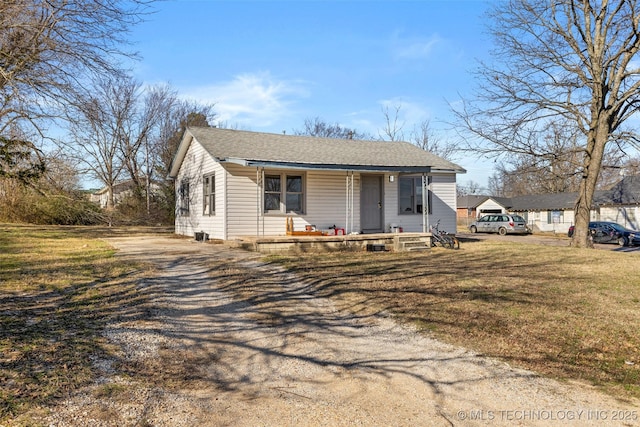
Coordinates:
621 203
546 212
121 190
471 207
232 183
555 212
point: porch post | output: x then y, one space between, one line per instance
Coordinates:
349 203
425 203
346 208
260 204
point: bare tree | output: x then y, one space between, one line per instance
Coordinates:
470 188
139 130
47 48
164 145
392 130
319 128
116 133
97 130
425 137
574 60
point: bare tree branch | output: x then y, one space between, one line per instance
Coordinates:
558 61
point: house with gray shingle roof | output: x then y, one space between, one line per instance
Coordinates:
555 212
232 183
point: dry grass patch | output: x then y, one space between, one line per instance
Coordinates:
59 290
560 311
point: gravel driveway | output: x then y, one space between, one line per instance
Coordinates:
280 356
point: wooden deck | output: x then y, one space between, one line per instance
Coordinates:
397 242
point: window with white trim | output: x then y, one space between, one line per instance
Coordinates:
555 217
410 195
183 197
209 194
284 193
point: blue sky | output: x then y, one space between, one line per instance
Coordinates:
269 65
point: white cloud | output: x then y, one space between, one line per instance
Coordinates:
251 100
415 47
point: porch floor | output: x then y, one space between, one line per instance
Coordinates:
397 242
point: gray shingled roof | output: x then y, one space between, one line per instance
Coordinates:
556 201
470 201
227 145
625 192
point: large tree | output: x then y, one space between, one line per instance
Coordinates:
569 61
47 48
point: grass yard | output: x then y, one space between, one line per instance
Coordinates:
563 312
60 287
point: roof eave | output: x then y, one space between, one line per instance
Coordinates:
325 166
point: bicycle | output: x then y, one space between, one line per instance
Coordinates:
442 238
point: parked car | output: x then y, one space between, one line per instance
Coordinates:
501 224
611 232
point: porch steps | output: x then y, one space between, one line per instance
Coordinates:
411 242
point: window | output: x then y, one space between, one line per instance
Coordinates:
183 196
410 195
209 196
283 193
555 217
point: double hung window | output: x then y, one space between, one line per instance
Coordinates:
183 195
410 195
284 193
209 194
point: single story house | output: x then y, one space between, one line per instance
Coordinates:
472 206
232 183
621 203
555 212
121 190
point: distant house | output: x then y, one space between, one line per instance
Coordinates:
121 190
474 206
546 212
621 203
556 212
232 183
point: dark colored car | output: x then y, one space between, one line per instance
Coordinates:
611 232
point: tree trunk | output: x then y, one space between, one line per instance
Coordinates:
110 198
596 142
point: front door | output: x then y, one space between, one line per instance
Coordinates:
371 204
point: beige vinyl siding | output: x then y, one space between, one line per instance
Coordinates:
198 163
242 202
325 203
444 202
443 205
325 194
392 217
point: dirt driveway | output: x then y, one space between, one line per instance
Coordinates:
231 341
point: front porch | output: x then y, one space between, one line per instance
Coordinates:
397 242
